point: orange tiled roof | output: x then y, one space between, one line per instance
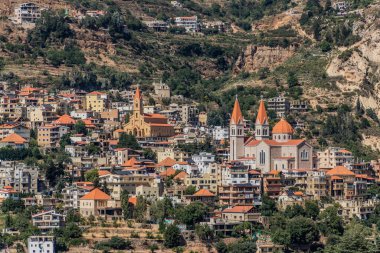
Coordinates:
298 193
169 172
340 171
237 116
204 193
294 142
138 93
238 209
282 127
14 138
65 120
154 115
96 194
131 162
133 200
95 93
167 162
262 116
180 176
274 172
103 172
336 178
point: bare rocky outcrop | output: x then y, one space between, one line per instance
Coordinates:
255 57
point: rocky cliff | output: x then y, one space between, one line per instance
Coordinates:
255 57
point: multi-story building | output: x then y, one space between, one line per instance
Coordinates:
161 90
280 105
316 185
220 133
272 183
14 128
189 114
48 136
358 208
73 193
48 221
10 109
334 156
239 194
120 181
27 13
99 204
39 115
41 244
341 183
203 161
157 25
22 178
191 24
96 101
299 106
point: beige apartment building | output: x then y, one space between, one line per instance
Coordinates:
49 135
334 156
96 101
316 185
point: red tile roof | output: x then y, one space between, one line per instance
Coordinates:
96 194
14 138
65 120
262 116
167 162
238 209
181 176
204 193
237 116
340 171
282 127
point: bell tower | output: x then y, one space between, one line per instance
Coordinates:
236 132
262 124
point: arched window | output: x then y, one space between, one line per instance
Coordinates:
262 157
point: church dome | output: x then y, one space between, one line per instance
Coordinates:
282 127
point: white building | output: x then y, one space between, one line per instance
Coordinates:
203 161
48 221
191 24
220 133
41 244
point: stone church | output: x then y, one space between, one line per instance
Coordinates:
276 150
144 125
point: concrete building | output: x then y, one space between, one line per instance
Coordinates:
280 105
334 156
191 24
96 101
27 13
73 193
22 178
48 221
161 90
41 244
48 136
203 161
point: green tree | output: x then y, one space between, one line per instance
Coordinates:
204 233
193 213
92 149
354 239
329 222
268 206
311 209
242 246
80 127
92 176
190 190
140 209
162 209
172 236
128 141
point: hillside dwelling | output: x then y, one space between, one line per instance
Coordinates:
157 25
48 221
41 243
191 24
27 13
176 4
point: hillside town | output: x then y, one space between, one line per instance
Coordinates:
115 164
109 151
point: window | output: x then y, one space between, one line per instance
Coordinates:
262 157
304 155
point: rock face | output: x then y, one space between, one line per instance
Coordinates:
360 71
255 57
